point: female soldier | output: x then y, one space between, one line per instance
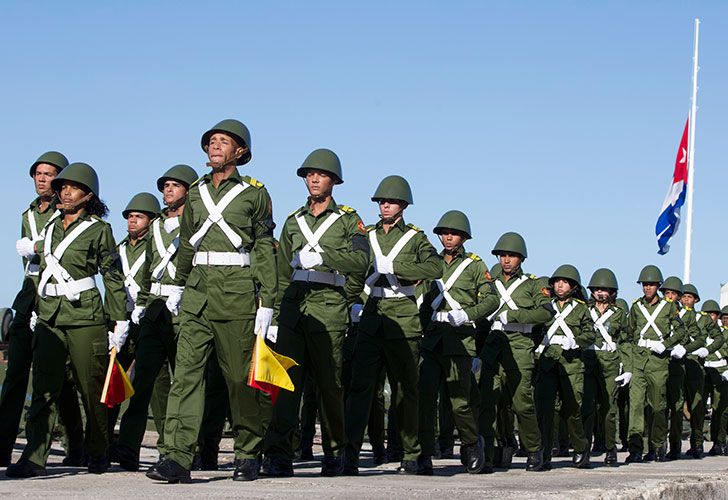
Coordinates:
72 320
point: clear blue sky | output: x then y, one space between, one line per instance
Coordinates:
559 120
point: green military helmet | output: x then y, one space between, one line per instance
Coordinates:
672 283
325 160
710 306
454 219
81 173
181 173
238 131
510 243
724 311
603 278
622 304
688 288
566 271
54 158
393 187
143 202
650 274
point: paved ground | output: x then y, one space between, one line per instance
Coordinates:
706 478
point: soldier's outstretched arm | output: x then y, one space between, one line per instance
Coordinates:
539 313
185 252
428 265
110 269
354 257
696 333
487 299
677 329
264 251
717 336
146 271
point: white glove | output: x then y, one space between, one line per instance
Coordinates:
457 317
263 319
25 247
569 343
33 320
724 375
355 313
272 334
383 265
475 367
701 353
624 379
170 224
174 298
656 346
310 259
678 352
503 317
137 314
119 335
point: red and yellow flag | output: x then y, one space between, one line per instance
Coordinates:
117 387
268 370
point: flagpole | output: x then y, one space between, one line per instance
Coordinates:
691 162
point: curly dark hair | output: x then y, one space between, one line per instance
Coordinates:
96 206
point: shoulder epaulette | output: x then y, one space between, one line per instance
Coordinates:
579 301
533 276
702 313
636 300
294 212
253 182
669 301
412 226
475 257
371 227
347 209
196 182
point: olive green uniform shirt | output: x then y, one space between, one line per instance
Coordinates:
229 292
345 251
672 328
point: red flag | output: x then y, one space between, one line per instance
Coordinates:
117 388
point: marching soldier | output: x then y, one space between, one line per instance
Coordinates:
226 252
139 213
449 310
20 334
390 329
158 328
672 290
72 321
654 327
320 245
508 354
716 380
694 371
623 390
604 360
560 368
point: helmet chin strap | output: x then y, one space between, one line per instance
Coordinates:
175 205
219 165
72 208
453 250
135 235
392 219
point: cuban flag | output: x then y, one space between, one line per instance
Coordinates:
669 219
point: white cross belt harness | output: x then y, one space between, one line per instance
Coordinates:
215 217
32 269
505 298
312 245
608 344
165 253
130 285
65 285
553 336
650 323
444 287
395 288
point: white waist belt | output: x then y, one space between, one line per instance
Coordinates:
716 364
319 277
649 343
161 290
391 293
76 287
221 259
